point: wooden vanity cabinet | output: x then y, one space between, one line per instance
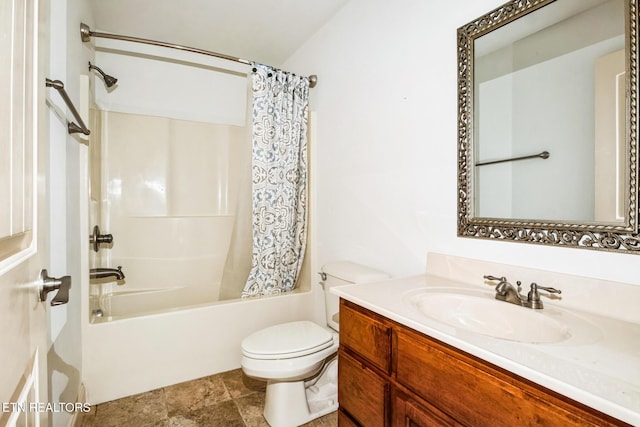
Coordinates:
407 411
391 375
364 368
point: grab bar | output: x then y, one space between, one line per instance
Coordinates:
543 155
71 126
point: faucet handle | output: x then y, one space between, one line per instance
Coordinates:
545 288
500 279
96 239
503 286
533 298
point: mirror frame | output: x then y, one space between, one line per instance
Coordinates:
620 238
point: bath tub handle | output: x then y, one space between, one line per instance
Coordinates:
96 238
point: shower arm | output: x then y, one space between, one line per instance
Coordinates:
71 126
86 34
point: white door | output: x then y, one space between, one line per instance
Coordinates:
610 182
23 222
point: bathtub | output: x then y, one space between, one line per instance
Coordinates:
130 350
124 304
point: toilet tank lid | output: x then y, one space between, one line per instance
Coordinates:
352 272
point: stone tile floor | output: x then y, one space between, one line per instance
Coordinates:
229 399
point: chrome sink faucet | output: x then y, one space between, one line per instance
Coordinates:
505 291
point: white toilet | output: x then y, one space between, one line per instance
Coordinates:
298 359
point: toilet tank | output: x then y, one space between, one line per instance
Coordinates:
344 273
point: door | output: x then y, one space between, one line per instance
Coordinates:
610 183
23 219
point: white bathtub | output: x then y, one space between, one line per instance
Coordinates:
129 355
123 304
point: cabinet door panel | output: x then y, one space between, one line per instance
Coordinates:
407 412
344 420
366 336
361 392
475 395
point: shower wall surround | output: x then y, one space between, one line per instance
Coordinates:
174 173
167 154
168 191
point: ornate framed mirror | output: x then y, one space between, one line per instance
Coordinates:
547 124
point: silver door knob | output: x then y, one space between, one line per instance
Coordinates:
62 285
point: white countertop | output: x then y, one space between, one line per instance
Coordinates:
600 369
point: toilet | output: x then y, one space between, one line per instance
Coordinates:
299 359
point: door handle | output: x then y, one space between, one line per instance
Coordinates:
62 285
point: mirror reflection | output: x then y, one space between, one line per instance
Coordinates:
547 124
549 116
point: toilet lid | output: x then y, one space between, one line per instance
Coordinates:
287 340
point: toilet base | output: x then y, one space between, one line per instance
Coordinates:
293 403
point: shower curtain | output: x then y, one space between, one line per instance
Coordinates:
279 171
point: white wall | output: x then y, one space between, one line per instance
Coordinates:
524 105
163 82
386 143
68 239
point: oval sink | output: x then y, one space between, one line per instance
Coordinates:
481 313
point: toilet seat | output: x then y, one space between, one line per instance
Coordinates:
287 340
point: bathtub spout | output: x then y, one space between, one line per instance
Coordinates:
100 273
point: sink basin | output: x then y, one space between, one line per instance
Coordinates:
480 312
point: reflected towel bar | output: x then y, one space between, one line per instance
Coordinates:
543 155
71 126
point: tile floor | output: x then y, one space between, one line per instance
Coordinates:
229 399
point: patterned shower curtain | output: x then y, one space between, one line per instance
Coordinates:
279 171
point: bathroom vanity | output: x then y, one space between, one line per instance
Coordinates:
392 375
400 367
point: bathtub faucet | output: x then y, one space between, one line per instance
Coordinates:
100 273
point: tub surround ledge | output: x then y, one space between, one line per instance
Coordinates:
600 370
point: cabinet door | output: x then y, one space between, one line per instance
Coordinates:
407 412
344 420
361 392
365 335
476 394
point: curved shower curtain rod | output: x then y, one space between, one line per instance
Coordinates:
86 34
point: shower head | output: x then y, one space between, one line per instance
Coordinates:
108 80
